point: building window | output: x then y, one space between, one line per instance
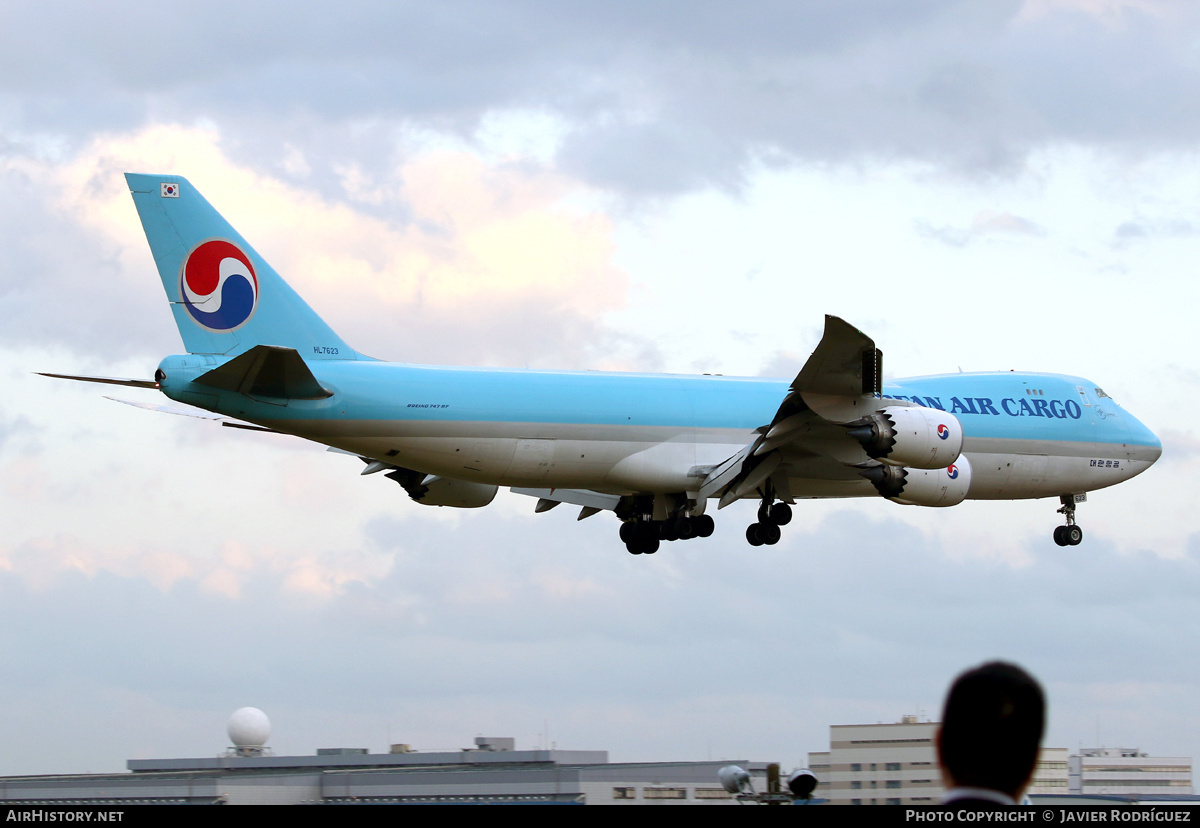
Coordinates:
856 785
713 793
892 783
893 766
894 801
624 793
664 793
856 767
855 801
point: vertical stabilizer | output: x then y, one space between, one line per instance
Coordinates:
225 297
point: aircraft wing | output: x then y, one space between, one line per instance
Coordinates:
839 384
131 383
842 379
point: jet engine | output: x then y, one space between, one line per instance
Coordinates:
922 487
912 436
432 490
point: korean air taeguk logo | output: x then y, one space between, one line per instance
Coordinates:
942 431
218 286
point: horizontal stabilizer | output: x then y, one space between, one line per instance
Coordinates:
131 383
267 371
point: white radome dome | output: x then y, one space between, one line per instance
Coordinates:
249 727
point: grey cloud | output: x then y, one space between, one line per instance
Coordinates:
658 99
1136 230
63 284
1129 230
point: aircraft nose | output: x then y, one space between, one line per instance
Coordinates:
1156 447
1143 444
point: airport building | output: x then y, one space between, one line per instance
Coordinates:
876 764
896 764
1107 771
492 772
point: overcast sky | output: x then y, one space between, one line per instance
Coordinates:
657 187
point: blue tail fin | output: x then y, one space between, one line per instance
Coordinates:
225 297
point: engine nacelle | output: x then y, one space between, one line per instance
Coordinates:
923 487
431 490
911 436
463 494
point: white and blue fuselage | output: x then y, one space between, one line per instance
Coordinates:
1026 435
654 449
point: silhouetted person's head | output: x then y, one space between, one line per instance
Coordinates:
991 729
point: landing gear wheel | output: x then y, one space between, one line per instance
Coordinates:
780 514
628 532
1071 534
668 530
752 534
1068 535
769 533
685 528
704 525
764 512
640 536
647 537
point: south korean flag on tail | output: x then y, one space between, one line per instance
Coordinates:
169 189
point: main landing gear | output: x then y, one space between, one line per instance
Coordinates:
1071 534
770 517
643 536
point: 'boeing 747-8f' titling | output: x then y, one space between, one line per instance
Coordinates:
654 449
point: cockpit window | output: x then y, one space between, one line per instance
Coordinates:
1101 395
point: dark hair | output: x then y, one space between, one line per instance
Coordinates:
992 727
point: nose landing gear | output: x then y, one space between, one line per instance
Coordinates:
1071 534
